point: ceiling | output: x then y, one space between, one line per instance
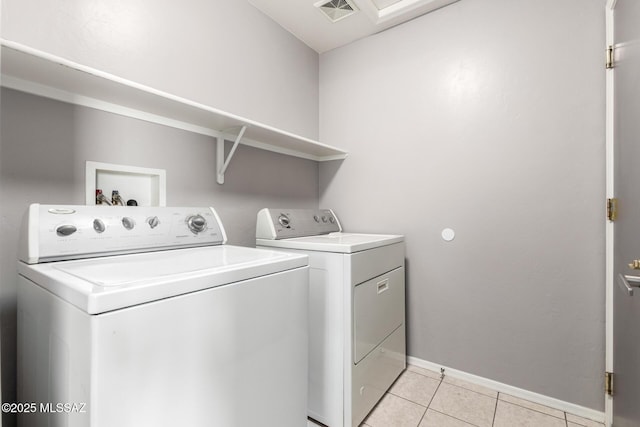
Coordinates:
326 24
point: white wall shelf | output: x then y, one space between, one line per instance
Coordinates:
40 73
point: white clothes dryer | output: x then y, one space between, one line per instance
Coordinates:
357 345
143 316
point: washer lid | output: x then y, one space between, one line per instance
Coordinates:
103 284
334 242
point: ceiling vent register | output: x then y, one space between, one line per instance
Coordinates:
335 10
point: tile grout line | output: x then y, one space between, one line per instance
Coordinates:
422 417
448 415
409 400
403 398
495 410
473 391
426 376
456 418
435 392
565 419
535 410
429 404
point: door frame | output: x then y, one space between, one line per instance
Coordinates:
610 193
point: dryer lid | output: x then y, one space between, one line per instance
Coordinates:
334 242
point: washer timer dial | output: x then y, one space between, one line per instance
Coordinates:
196 223
284 221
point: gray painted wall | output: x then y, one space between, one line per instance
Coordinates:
223 53
486 116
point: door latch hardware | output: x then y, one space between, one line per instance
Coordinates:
627 283
608 383
610 62
612 209
635 264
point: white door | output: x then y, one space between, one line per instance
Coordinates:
626 293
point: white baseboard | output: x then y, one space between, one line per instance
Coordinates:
541 399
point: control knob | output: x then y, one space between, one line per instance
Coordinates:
66 230
153 221
98 225
128 223
284 221
196 223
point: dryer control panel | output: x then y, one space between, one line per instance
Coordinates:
274 224
61 232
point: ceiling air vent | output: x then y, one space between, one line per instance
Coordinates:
336 10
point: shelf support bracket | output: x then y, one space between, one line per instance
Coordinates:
221 163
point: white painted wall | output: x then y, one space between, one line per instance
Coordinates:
486 116
224 53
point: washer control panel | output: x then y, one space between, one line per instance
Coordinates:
53 232
276 224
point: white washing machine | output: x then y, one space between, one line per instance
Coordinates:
141 316
356 310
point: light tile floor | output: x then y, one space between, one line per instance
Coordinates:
420 398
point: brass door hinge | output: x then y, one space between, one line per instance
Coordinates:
608 383
610 62
612 209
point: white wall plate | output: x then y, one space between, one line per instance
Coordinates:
148 187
